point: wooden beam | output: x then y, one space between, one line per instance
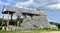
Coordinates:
17 20
7 22
11 17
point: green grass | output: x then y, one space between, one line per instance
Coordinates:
25 31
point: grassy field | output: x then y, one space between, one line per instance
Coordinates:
28 31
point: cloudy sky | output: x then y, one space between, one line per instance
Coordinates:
51 7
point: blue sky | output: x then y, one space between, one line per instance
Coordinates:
51 7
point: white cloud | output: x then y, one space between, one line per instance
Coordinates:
17 5
2 3
21 4
27 4
50 20
6 16
55 6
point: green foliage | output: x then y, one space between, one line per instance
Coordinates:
1 21
14 21
53 23
21 20
57 24
25 31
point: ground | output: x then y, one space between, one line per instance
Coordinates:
30 31
53 32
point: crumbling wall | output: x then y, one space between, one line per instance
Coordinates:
36 22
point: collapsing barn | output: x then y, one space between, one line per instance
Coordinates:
32 18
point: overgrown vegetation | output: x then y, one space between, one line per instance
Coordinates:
14 21
0 21
57 24
26 31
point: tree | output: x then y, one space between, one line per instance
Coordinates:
57 24
1 21
53 23
14 21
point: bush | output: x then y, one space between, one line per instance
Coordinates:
57 24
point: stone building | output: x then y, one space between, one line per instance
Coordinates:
32 18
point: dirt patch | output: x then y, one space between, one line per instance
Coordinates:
52 32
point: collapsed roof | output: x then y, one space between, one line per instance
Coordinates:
17 10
